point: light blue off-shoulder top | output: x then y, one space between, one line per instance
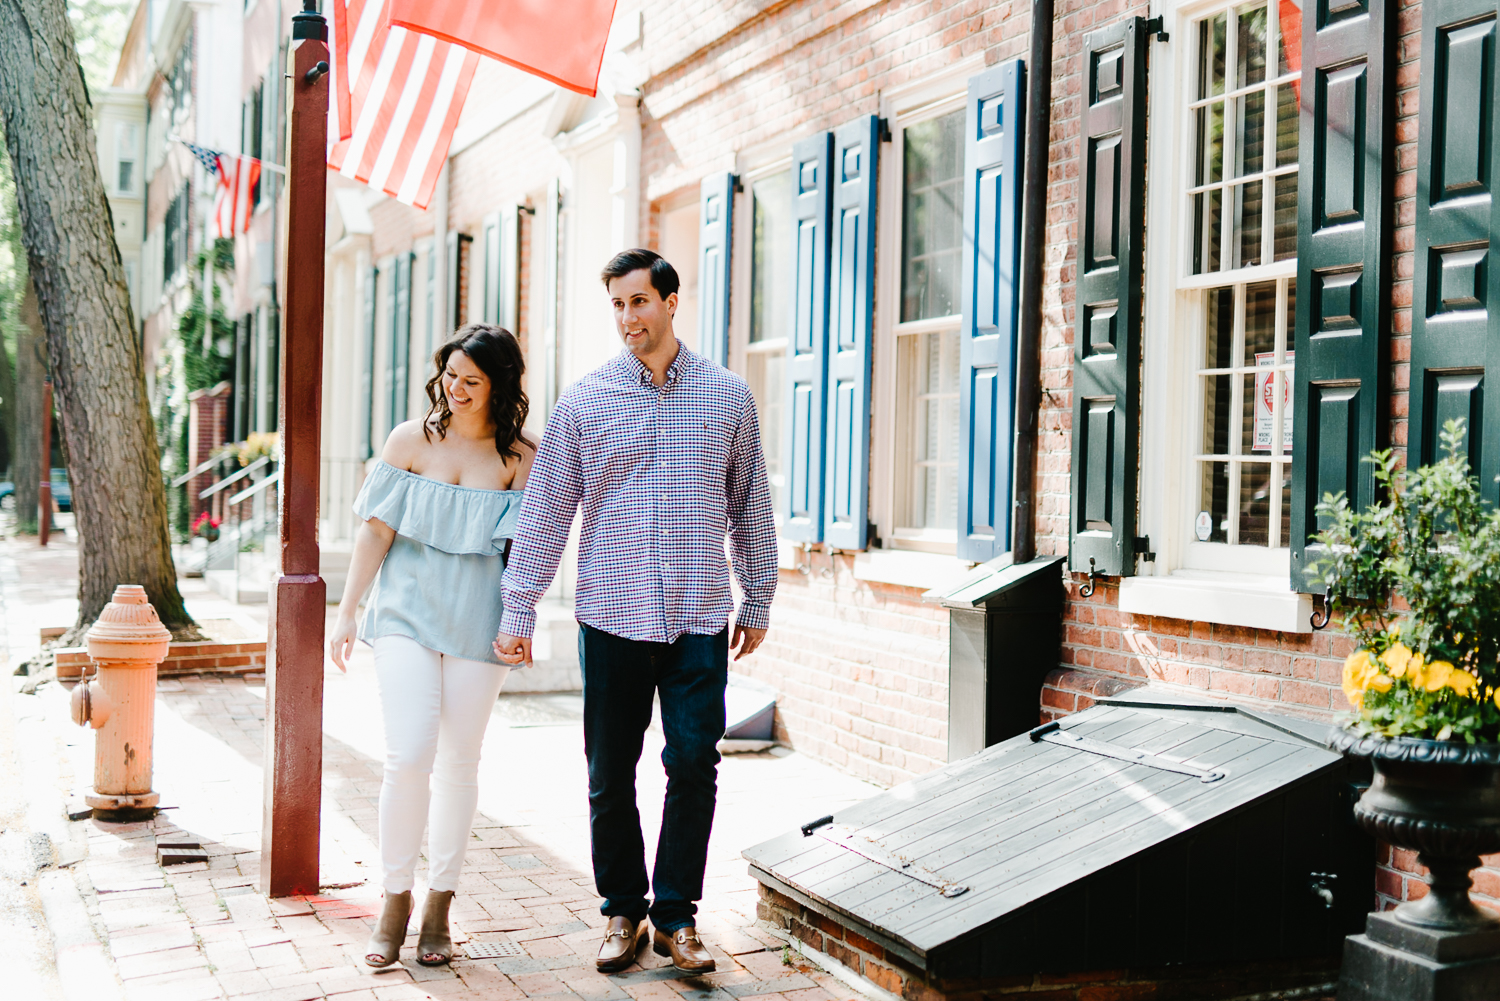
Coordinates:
440 582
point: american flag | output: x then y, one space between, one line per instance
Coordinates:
235 200
394 103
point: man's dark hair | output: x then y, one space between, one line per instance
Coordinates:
663 275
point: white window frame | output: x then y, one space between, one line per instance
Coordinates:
1236 585
891 455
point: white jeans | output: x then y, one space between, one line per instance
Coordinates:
436 708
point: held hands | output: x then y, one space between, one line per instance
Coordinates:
513 650
341 641
746 640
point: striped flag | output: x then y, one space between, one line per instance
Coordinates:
395 101
235 201
558 40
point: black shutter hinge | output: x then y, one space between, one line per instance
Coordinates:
1143 548
1155 26
884 128
739 185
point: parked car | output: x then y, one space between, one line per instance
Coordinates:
62 492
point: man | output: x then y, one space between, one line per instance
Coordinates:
662 449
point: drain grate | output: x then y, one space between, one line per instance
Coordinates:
494 950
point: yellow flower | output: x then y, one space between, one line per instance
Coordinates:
1497 696
1462 682
1381 683
1437 675
1397 658
1357 670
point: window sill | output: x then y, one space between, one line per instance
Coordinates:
907 568
1228 599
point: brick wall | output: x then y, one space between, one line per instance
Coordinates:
207 430
862 671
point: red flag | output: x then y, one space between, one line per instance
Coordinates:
234 203
396 100
557 40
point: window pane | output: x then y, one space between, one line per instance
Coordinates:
1219 348
770 247
1260 323
1216 416
1250 402
1289 45
1211 47
767 372
1207 231
935 438
1286 124
1247 199
1286 504
1251 63
1250 142
932 217
1214 499
1285 237
1215 141
1291 317
1255 503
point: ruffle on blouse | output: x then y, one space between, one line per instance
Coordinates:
445 516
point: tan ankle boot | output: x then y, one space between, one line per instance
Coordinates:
434 945
384 947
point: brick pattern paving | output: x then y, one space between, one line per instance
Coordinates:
203 931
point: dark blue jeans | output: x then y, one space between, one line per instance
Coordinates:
619 678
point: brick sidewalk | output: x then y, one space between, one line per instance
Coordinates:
127 928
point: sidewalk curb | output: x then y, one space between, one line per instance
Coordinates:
83 965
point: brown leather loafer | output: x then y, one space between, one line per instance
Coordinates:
622 938
687 952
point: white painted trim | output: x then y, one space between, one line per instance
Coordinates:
907 568
1225 598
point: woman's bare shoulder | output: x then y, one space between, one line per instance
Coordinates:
404 444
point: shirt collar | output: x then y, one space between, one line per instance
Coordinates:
675 370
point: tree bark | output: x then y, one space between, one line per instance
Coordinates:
119 498
26 443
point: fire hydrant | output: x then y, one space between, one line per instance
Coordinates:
126 644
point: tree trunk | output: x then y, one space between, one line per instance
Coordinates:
26 445
119 499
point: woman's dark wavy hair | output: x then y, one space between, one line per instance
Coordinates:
498 354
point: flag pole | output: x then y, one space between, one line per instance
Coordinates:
294 677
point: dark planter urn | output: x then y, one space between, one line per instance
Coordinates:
1441 799
210 533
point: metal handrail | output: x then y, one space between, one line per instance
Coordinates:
226 481
251 491
202 468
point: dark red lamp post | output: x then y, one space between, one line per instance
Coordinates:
294 679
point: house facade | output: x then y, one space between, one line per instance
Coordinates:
1264 253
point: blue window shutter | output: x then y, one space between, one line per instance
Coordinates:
806 358
366 366
507 275
994 121
715 225
400 339
851 326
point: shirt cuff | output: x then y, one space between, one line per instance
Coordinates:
754 616
520 622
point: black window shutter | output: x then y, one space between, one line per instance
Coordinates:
851 327
715 237
806 354
1343 260
994 123
1455 326
1107 302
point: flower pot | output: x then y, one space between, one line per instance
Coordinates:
1440 799
210 533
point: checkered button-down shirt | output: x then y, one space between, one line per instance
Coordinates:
663 474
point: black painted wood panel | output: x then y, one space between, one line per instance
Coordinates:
1344 219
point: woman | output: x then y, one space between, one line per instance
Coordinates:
438 510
